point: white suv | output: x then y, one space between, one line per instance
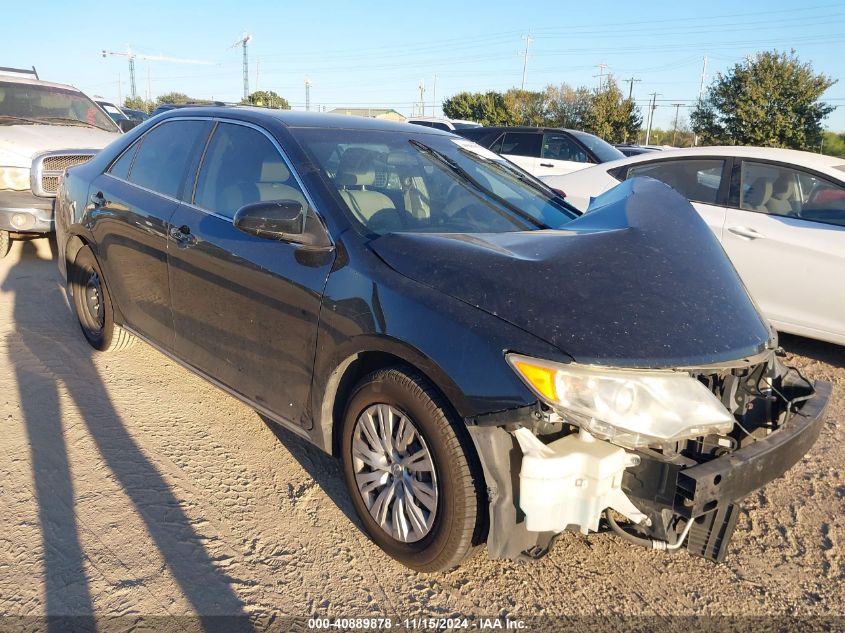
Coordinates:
44 129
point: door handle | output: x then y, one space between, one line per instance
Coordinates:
745 232
97 199
546 165
182 235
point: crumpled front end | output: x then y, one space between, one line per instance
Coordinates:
547 474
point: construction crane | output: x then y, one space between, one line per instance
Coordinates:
132 56
245 39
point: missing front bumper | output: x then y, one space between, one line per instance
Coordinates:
670 494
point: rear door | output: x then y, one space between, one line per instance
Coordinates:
134 201
785 233
702 181
522 148
560 154
245 309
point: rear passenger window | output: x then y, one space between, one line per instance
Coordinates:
696 180
242 166
522 144
120 168
166 154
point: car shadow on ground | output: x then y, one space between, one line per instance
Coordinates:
821 351
50 359
323 468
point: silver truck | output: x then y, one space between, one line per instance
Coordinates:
44 129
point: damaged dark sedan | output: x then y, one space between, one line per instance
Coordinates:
488 364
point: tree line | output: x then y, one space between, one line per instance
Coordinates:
770 99
604 111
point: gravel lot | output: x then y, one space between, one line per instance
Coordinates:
130 487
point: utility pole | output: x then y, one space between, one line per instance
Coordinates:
149 91
631 81
602 67
257 74
119 96
701 92
675 127
422 97
528 39
434 97
307 94
651 116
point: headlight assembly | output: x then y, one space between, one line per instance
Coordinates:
629 407
14 178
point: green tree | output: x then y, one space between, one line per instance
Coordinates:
771 99
525 107
833 144
138 103
612 117
173 97
267 99
567 107
487 108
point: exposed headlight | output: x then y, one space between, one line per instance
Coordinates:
14 178
629 407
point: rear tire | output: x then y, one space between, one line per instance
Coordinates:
93 306
5 243
408 470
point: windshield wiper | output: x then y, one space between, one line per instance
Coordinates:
464 175
69 121
12 118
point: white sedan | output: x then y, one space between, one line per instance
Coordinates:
780 215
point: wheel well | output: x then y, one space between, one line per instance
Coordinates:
351 371
73 245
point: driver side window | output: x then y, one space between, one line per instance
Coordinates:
242 166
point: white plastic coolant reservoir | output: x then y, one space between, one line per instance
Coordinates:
571 481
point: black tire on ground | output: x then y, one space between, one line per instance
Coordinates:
449 538
93 306
5 243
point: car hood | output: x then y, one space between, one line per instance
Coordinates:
639 281
19 144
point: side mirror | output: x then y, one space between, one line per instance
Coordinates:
127 124
274 219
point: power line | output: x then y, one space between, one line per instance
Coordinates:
631 81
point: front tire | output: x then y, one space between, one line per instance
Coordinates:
93 306
408 470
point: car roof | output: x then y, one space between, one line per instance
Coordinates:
35 82
298 119
811 160
526 128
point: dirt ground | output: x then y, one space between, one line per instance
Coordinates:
130 487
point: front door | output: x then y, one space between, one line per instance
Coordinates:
245 308
785 233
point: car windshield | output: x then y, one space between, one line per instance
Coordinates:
405 182
603 150
34 103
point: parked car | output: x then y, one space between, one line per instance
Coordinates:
401 298
135 115
779 214
634 150
447 125
544 151
167 107
44 128
115 113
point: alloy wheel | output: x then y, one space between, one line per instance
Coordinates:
395 473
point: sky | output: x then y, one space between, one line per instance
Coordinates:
376 54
